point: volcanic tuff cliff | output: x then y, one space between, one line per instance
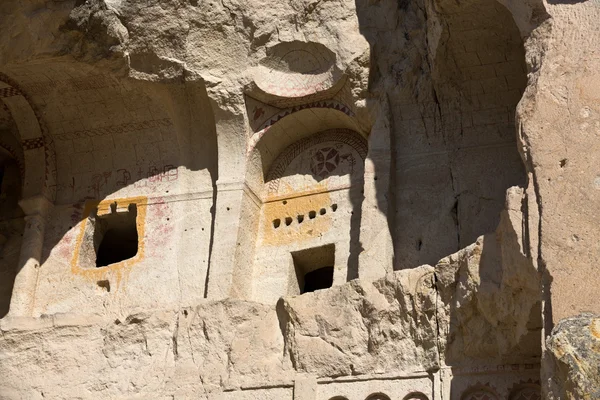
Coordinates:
177 177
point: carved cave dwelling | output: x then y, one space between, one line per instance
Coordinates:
299 200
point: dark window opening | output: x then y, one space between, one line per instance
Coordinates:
314 268
1 177
11 228
321 278
117 245
116 236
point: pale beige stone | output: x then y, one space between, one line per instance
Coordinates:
428 166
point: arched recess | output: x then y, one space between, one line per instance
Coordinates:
123 138
11 215
458 152
310 215
267 144
270 153
480 392
39 157
378 396
415 396
527 391
29 149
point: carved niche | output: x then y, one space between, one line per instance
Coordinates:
327 161
529 392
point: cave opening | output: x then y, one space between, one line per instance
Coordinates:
457 151
11 227
117 237
321 278
314 268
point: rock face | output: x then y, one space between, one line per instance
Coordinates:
417 326
490 293
572 358
310 200
189 353
366 327
363 329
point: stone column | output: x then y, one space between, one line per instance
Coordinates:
222 261
227 104
36 211
377 256
305 388
236 222
442 383
230 266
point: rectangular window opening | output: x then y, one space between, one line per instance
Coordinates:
116 236
314 268
1 177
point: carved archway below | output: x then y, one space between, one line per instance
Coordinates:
326 161
38 162
526 392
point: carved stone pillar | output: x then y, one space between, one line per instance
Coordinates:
230 248
305 388
36 211
236 223
377 256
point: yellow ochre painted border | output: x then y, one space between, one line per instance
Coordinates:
116 271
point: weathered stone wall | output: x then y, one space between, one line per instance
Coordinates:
453 76
114 141
383 337
483 207
561 113
572 358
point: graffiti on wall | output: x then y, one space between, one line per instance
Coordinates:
102 183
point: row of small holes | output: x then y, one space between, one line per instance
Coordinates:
300 218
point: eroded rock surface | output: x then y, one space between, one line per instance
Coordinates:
188 352
573 358
490 295
365 327
397 323
444 153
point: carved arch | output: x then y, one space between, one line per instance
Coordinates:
415 396
480 392
378 396
345 136
526 391
267 145
38 160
